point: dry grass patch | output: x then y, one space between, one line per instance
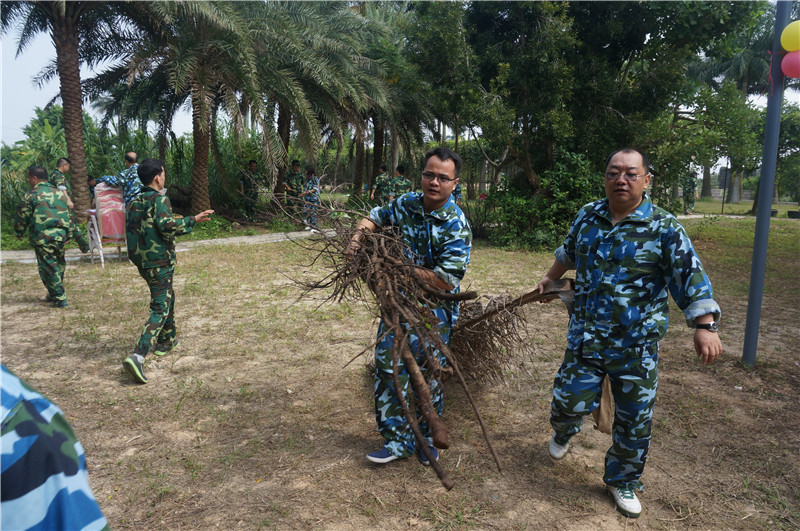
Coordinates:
255 423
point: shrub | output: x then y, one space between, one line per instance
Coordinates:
524 219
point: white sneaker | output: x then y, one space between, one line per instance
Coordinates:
626 500
557 451
307 228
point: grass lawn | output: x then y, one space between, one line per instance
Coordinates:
256 420
712 206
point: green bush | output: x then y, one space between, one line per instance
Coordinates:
13 186
524 219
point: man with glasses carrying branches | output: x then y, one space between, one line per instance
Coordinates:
628 254
438 237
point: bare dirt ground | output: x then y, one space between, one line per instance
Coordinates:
255 422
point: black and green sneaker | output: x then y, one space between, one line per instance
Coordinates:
134 365
60 303
162 348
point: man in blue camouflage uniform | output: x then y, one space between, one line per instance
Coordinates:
44 483
44 213
127 179
150 229
439 238
311 197
628 255
400 185
383 188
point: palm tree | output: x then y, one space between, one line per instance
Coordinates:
205 52
79 31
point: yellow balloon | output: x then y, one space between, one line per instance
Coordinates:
790 38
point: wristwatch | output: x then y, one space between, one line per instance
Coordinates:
712 326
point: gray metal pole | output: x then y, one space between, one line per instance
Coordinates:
765 187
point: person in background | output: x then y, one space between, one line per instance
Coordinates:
689 192
127 179
311 197
248 187
59 179
400 185
151 229
44 214
293 183
383 187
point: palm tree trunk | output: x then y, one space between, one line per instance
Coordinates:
377 150
65 39
200 136
358 178
284 131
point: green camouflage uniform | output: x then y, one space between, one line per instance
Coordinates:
151 230
294 183
689 185
59 180
400 185
44 483
249 182
43 212
383 188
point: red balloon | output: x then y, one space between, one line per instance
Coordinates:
791 64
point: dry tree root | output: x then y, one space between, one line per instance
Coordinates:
488 337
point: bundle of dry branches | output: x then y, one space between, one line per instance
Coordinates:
383 264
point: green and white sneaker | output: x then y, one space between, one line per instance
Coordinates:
134 365
626 500
162 348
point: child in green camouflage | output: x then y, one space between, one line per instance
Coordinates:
151 229
44 213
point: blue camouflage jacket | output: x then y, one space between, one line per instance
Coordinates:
128 179
44 482
439 240
623 276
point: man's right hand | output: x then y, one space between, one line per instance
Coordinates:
203 216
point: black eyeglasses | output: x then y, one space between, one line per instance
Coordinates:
430 176
630 177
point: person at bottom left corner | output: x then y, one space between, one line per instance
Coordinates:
44 483
151 229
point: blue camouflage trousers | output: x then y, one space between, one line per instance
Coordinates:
392 424
576 392
160 326
51 263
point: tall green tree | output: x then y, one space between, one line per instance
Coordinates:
78 30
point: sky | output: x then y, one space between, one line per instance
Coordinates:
20 96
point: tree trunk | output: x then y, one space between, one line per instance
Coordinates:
395 151
377 150
358 178
706 189
284 132
65 39
200 136
455 136
733 188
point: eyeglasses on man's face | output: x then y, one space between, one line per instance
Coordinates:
630 177
430 176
